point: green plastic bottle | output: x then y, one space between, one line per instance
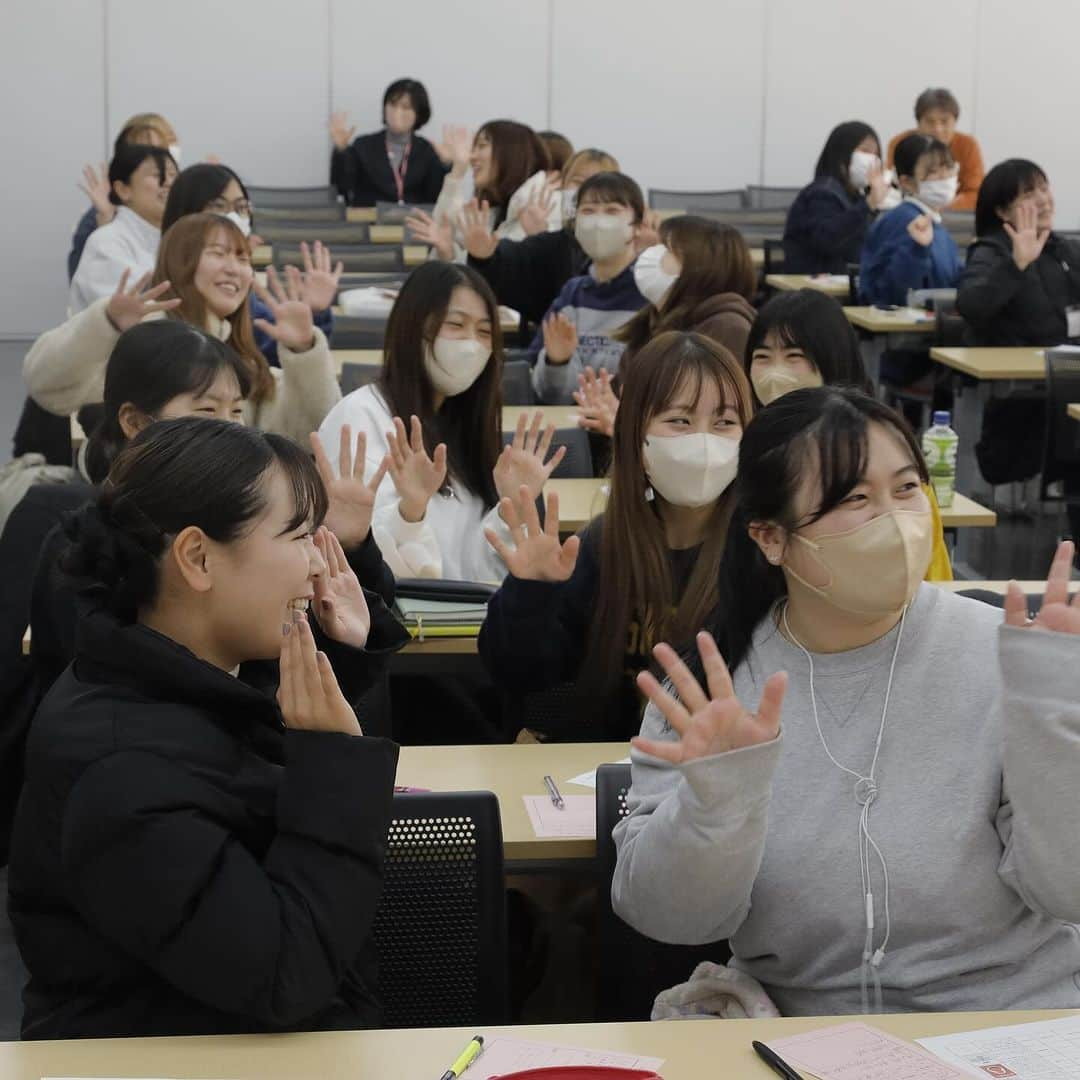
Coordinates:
939 448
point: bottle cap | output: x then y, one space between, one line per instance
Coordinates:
942 419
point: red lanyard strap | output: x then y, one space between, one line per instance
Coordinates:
399 172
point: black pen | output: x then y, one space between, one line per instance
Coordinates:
775 1062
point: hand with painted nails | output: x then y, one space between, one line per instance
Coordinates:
339 605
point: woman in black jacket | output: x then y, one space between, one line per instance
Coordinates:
392 165
1021 278
829 217
192 852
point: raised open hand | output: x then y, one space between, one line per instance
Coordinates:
707 723
96 188
596 401
522 463
319 286
1057 613
921 230
416 476
475 222
339 603
533 216
1028 240
560 338
127 308
351 499
340 131
292 325
437 234
537 554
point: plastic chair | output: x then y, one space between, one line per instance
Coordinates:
1062 432
359 332
665 199
632 969
390 213
440 929
759 197
269 215
578 462
293 196
373 258
517 387
291 231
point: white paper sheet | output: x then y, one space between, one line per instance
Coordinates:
502 1056
588 779
1044 1050
576 820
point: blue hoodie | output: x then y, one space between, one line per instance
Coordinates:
892 262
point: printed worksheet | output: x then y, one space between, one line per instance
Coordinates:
1044 1050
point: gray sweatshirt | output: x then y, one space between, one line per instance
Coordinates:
977 817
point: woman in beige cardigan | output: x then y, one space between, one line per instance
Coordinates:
204 261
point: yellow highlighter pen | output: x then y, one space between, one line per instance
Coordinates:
465 1058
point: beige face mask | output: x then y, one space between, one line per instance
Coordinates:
773 383
874 569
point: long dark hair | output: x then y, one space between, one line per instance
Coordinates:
151 364
517 152
635 573
824 429
842 142
714 259
195 189
1001 186
469 423
807 319
159 485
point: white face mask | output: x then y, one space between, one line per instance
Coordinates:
690 470
602 235
174 150
938 193
652 280
241 221
454 364
859 168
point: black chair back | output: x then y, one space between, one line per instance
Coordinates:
270 215
632 969
389 213
774 255
292 196
359 331
517 387
440 929
353 376
1062 431
666 199
356 258
759 197
293 231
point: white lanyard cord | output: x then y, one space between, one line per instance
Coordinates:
865 794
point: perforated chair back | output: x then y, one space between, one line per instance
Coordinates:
389 213
632 968
292 231
356 258
759 197
353 376
1062 432
440 929
578 461
359 332
517 387
270 215
293 196
666 199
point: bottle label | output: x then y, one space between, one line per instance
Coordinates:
940 452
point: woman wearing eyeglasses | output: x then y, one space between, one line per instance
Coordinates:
216 189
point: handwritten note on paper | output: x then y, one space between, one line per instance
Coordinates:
1043 1050
505 1056
860 1052
576 821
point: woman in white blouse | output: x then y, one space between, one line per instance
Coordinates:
433 421
139 182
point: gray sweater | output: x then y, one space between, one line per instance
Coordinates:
977 812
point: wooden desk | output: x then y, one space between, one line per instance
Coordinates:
690 1051
831 285
357 215
992 365
261 255
579 501
966 513
1074 411
877 321
562 416
1031 588
387 234
511 771
414 254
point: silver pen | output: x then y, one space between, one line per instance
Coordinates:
553 791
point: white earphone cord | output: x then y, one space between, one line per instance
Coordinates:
871 958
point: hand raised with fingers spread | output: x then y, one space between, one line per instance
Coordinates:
339 603
340 131
597 401
707 723
351 500
96 188
128 308
647 234
533 216
292 325
537 554
456 145
320 282
523 461
1028 240
416 476
480 242
877 190
921 230
560 338
1057 613
308 695
437 234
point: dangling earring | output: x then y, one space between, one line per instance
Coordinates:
649 494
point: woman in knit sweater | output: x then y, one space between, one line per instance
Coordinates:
204 261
